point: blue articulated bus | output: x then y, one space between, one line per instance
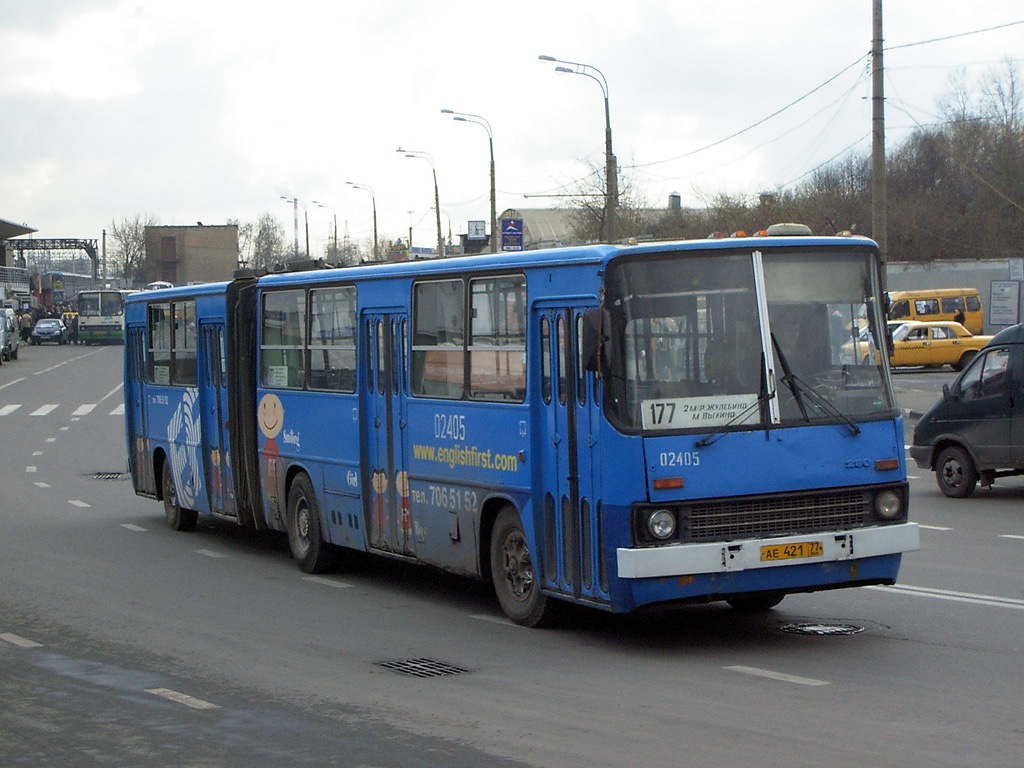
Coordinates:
616 426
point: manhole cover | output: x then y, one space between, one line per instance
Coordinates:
108 475
812 628
423 667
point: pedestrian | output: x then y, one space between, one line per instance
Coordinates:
26 325
74 328
958 316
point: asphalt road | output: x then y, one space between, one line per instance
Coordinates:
123 643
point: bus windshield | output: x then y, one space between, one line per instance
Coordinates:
95 303
742 340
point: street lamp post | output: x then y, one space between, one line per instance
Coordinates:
437 198
611 176
335 215
373 200
465 117
295 204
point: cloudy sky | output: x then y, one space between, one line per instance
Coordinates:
209 110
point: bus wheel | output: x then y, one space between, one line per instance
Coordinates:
179 519
513 574
305 538
756 602
955 473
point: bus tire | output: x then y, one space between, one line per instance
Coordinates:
305 537
755 603
955 472
512 571
179 519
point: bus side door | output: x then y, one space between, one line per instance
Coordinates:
570 531
388 508
135 412
213 380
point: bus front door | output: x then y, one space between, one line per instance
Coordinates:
387 505
572 560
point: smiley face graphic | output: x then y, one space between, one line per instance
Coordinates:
270 416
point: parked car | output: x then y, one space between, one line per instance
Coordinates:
865 345
935 344
50 329
974 432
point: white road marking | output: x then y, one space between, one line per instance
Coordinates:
948 594
9 409
933 527
51 439
1010 536
30 469
777 675
77 503
21 642
494 619
9 383
132 527
43 410
181 698
209 553
37 453
327 582
41 484
119 411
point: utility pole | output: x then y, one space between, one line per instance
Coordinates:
878 204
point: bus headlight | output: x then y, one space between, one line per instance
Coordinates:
661 524
888 505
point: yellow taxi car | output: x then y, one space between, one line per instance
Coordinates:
935 344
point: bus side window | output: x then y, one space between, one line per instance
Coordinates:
899 309
283 339
497 345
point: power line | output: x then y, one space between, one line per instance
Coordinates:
953 37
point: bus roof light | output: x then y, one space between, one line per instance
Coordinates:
788 228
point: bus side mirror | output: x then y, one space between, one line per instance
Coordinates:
593 340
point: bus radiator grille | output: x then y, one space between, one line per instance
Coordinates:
762 516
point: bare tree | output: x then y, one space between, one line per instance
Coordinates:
265 243
129 251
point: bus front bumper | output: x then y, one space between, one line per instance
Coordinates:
749 554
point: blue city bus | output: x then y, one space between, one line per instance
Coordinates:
615 426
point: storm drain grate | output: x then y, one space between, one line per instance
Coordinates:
423 667
814 628
108 475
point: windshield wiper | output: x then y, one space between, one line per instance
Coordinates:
763 397
799 387
823 403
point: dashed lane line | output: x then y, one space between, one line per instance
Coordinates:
771 675
181 698
18 640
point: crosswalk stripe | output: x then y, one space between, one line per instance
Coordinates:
45 410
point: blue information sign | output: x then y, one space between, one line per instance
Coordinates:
511 234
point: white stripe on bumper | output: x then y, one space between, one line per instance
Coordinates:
692 559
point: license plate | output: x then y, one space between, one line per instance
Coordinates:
792 551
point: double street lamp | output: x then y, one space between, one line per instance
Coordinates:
465 117
373 199
437 198
611 182
335 214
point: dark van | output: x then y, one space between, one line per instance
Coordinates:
976 431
